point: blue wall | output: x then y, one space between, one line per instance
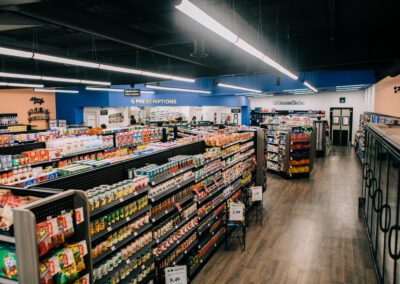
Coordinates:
70 106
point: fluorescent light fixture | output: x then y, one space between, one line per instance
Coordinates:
53 79
56 59
68 61
303 93
104 89
204 19
146 92
56 91
15 52
349 86
177 89
21 85
20 76
238 88
296 90
348 89
308 85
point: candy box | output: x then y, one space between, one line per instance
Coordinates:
8 262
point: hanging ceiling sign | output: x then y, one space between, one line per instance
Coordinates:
131 92
153 102
292 102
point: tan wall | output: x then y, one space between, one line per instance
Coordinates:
18 101
386 101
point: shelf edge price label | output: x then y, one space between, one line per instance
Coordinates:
176 275
256 193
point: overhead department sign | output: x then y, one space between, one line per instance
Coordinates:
153 102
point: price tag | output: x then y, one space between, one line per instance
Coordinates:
178 206
206 188
128 261
135 234
128 218
236 212
166 211
121 200
256 193
135 193
176 275
79 217
109 229
113 248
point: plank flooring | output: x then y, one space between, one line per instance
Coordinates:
311 232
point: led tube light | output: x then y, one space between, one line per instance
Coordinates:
309 86
146 92
104 89
205 20
15 52
53 79
68 61
56 91
5 84
177 89
238 88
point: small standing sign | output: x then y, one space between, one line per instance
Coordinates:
256 193
176 275
236 212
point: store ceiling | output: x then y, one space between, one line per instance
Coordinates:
306 35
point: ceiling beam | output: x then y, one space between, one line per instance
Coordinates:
94 25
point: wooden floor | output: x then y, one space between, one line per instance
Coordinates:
311 232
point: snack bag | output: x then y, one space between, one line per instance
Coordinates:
43 237
8 262
45 276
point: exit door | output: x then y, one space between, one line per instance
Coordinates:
341 126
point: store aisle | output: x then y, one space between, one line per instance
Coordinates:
311 232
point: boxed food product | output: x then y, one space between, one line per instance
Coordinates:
8 262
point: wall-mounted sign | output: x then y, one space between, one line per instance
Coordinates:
396 89
342 100
235 110
104 112
292 102
153 102
37 100
132 92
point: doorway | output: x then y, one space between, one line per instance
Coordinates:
341 126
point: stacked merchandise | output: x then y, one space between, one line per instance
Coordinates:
66 155
121 232
58 244
290 145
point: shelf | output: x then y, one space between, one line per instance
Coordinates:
210 223
206 175
245 140
7 239
209 236
207 255
171 190
273 151
122 243
120 223
211 194
230 144
171 209
127 261
32 165
176 227
175 244
167 177
185 252
247 148
135 273
7 281
230 154
119 201
275 161
207 162
232 164
82 153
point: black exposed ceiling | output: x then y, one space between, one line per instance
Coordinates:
303 35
